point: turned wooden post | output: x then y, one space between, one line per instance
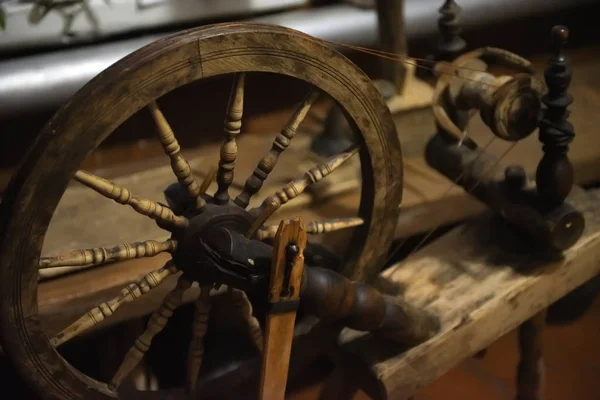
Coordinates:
450 44
390 16
555 175
530 371
554 179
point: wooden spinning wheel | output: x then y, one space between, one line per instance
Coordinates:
111 98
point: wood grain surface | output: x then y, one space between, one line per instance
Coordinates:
482 280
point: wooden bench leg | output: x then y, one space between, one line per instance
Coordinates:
351 379
530 371
339 385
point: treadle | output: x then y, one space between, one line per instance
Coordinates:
482 280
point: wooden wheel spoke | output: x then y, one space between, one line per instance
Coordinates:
179 165
244 307
208 179
156 324
123 196
199 328
314 227
229 149
281 142
295 188
106 309
103 255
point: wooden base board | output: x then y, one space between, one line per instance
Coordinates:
481 280
416 94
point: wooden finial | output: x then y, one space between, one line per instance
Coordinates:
450 45
555 175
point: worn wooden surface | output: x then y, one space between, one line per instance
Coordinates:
482 280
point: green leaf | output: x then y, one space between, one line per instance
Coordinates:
2 19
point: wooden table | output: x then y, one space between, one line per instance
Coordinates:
481 280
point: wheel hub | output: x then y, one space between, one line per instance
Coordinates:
203 227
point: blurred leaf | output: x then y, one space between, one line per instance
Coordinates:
2 19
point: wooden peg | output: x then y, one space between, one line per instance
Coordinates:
280 144
284 294
123 196
106 309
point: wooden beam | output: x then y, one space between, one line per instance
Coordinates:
482 280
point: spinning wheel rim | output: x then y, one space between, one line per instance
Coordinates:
119 92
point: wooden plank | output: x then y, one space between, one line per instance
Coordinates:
482 280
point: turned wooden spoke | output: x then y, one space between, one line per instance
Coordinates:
244 307
123 196
106 309
179 165
281 142
296 187
156 324
314 227
199 328
229 149
103 255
